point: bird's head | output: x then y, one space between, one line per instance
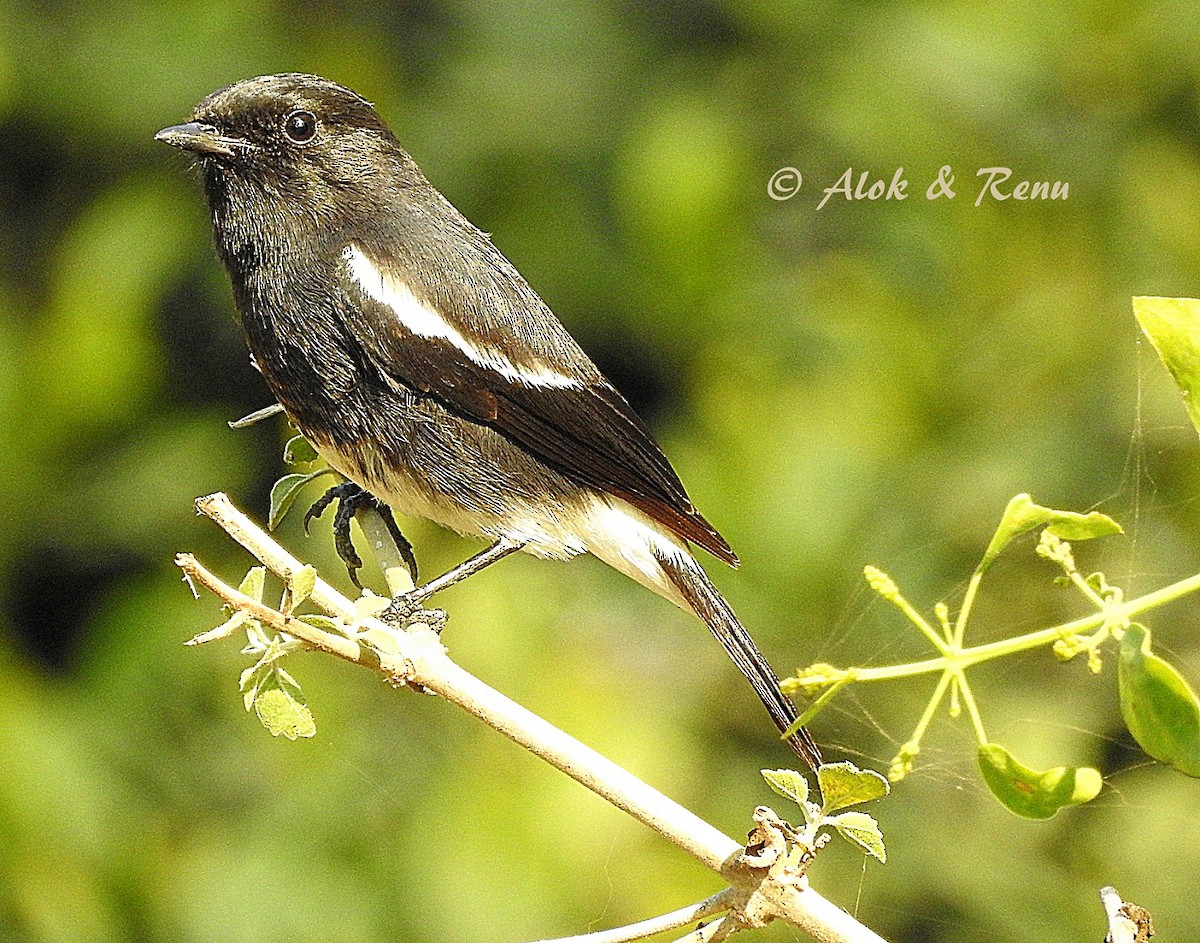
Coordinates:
292 139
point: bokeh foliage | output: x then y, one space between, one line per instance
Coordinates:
866 384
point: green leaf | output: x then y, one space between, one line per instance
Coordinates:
224 630
302 583
1032 794
1159 706
282 714
299 451
253 582
257 638
1023 515
260 672
285 491
283 496
1069 525
230 625
279 704
1173 326
250 680
788 783
844 784
861 829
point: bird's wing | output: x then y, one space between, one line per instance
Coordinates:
481 342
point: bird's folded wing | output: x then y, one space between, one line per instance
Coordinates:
539 391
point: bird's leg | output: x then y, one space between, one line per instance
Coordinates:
351 498
405 605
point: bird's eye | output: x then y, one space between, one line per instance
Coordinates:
300 127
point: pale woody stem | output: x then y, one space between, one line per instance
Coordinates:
423 660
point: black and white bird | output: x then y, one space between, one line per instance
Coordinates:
420 364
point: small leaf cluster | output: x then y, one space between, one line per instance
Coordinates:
267 688
1158 705
270 691
841 786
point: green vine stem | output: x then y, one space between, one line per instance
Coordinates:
1114 614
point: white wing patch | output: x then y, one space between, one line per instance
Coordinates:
425 321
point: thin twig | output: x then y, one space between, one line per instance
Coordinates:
257 416
318 638
219 508
644 928
422 660
711 932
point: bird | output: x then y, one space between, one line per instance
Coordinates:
421 365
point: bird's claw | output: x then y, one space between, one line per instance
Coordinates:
351 498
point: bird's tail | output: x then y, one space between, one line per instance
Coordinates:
702 597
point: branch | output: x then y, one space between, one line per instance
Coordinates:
757 895
713 932
716 904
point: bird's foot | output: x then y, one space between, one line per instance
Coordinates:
351 498
406 611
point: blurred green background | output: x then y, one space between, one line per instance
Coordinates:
869 383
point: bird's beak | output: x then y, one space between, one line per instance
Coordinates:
201 138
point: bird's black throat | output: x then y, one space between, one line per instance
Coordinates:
282 275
